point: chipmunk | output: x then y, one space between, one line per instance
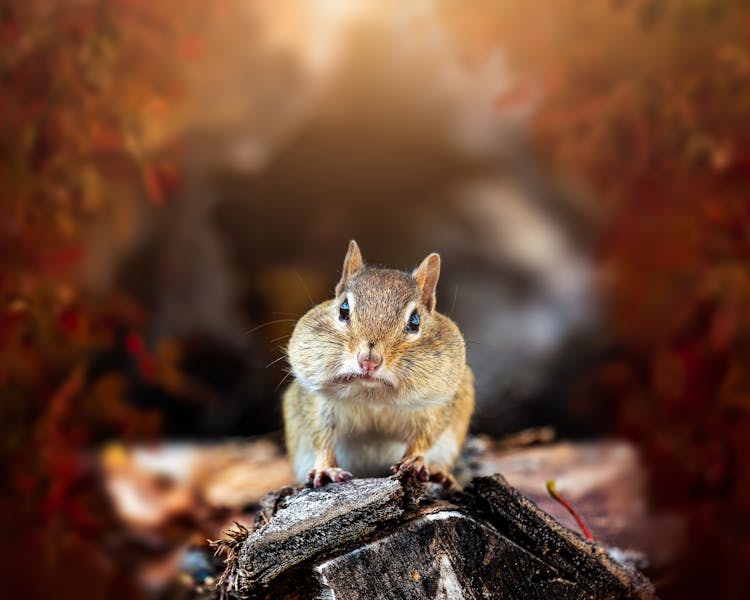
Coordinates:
381 381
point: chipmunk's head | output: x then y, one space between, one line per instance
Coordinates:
381 337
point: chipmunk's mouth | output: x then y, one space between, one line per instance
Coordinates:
364 379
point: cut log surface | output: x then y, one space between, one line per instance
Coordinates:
310 520
382 538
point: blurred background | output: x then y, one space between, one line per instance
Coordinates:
179 183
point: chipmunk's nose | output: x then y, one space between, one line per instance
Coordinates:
370 365
369 360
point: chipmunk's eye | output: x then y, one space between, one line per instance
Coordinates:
413 325
344 310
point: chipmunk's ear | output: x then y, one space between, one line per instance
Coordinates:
427 275
353 264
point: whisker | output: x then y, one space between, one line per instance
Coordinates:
288 373
279 312
274 361
281 337
468 341
307 291
249 331
453 305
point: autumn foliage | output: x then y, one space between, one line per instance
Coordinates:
89 89
646 101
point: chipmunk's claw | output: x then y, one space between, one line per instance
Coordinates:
413 464
319 477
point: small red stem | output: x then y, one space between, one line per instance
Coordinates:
552 489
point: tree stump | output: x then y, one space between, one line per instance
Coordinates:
384 538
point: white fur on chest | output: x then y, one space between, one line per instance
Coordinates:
368 456
372 435
373 456
370 438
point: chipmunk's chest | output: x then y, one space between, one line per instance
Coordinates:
376 422
368 456
371 439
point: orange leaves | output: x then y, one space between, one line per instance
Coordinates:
90 109
161 181
86 85
104 137
192 47
649 105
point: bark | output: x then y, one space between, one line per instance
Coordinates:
383 538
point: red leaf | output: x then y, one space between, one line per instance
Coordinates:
134 344
192 47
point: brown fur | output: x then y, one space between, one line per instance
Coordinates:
425 402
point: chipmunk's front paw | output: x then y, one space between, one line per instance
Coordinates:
413 464
319 477
443 478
